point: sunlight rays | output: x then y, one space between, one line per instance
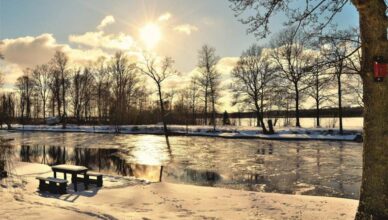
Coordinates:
150 35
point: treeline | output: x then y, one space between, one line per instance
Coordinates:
293 69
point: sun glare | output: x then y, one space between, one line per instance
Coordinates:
150 34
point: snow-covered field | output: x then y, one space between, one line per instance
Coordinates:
287 133
136 199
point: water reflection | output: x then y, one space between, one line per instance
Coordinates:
313 168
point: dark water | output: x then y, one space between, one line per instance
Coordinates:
292 167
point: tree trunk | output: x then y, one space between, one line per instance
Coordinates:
99 103
297 105
341 129
205 114
214 112
59 104
260 120
63 101
374 186
44 110
317 100
162 111
318 114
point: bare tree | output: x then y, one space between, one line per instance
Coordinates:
55 91
7 109
158 71
293 62
336 49
60 63
354 85
320 84
124 84
209 79
193 94
81 91
25 87
253 75
353 68
316 15
103 82
41 80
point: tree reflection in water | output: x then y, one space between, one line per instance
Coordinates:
313 168
102 160
5 157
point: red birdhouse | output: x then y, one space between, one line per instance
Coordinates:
380 69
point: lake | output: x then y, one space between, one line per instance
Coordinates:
293 167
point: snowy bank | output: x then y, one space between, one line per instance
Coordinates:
288 133
20 199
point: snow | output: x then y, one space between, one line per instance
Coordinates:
286 133
125 198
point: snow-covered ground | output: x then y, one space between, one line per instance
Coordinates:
286 133
136 199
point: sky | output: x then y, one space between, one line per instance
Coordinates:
30 31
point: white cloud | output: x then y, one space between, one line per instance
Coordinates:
106 21
186 29
226 64
165 17
100 39
29 51
11 73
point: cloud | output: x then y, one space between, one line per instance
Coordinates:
103 40
165 17
11 73
100 39
29 51
226 64
106 21
186 29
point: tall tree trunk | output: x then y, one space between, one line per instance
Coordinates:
205 111
162 111
261 109
214 112
44 110
317 101
297 105
59 104
63 101
259 118
99 103
341 129
374 186
318 114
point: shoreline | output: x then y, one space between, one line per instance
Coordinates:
284 134
139 200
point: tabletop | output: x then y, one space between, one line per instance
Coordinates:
67 167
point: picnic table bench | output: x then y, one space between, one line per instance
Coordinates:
97 181
52 185
74 171
3 173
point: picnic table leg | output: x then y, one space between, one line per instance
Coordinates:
55 174
86 180
65 175
74 180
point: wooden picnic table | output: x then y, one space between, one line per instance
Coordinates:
74 171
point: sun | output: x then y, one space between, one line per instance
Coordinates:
150 34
